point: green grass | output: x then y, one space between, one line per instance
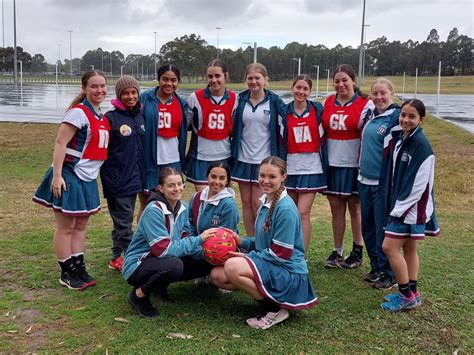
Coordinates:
38 315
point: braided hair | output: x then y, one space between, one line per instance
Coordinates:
280 164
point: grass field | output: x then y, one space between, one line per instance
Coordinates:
38 315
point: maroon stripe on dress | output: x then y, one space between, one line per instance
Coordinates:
281 251
263 291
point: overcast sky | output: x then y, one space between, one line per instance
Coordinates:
128 25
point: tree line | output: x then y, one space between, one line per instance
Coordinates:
191 54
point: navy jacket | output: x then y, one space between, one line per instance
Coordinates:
123 173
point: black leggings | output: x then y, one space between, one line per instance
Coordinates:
158 273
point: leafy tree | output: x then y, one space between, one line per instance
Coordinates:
38 64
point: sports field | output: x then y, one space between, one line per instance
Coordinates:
38 315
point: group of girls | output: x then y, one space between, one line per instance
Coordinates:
241 137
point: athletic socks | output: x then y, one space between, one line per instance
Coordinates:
339 250
268 306
357 249
413 285
405 290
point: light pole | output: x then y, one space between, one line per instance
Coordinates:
70 48
121 70
299 64
317 80
3 24
15 54
59 57
254 50
361 78
361 41
155 75
21 80
327 83
218 28
111 71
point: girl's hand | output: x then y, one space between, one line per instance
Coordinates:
237 239
208 233
236 253
57 186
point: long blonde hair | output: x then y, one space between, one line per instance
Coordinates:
85 78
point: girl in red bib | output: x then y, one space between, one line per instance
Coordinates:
165 127
70 185
343 117
210 111
305 156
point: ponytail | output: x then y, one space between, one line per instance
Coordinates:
78 99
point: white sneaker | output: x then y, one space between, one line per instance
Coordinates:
269 319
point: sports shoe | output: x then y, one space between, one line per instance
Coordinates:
385 282
268 320
333 261
400 303
201 281
353 261
72 281
372 276
142 306
81 270
163 295
391 296
116 264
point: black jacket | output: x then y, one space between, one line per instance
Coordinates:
123 173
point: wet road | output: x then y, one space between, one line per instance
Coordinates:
46 103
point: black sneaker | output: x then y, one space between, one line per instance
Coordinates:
142 306
353 261
163 296
333 261
81 269
72 281
385 282
372 276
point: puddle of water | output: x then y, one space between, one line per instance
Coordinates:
46 103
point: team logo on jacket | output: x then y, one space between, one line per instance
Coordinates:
125 130
266 114
405 157
215 220
382 129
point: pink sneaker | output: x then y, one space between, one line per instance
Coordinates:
269 319
116 264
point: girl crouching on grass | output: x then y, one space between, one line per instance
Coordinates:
70 184
273 270
409 195
161 252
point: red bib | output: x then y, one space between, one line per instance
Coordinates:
342 122
303 133
96 149
216 119
170 117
